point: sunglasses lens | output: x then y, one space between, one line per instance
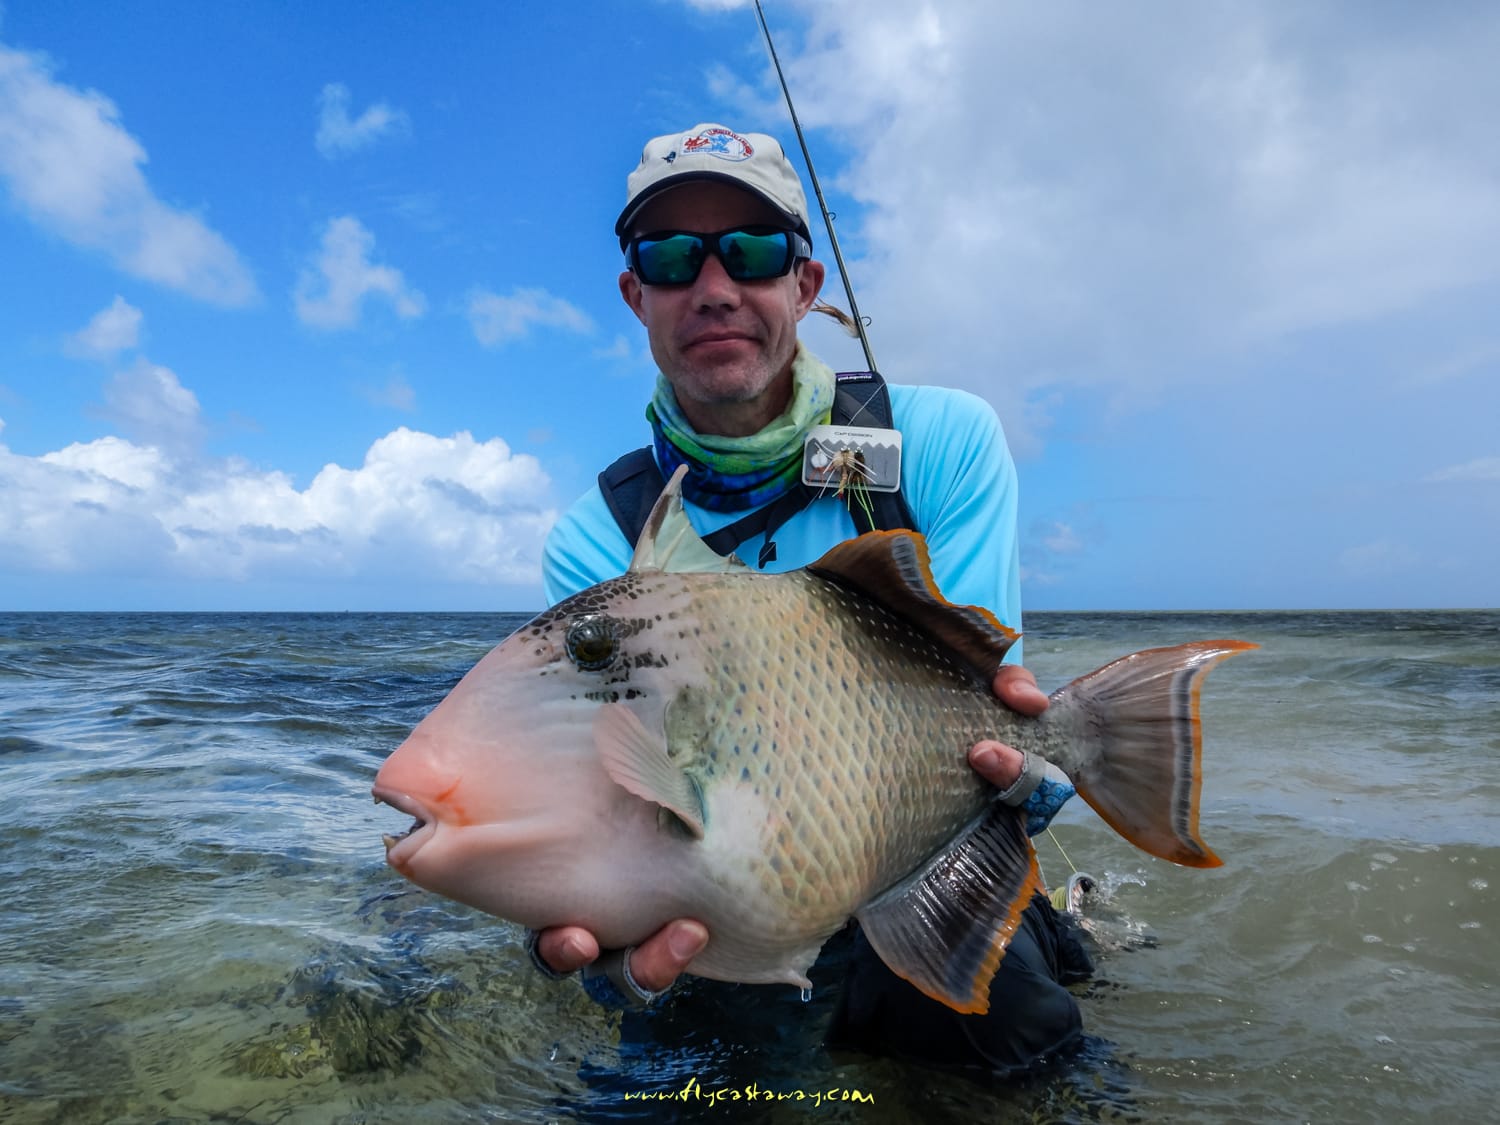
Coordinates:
754 257
674 260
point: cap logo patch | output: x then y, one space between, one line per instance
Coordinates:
723 143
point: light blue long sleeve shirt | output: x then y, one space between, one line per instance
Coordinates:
958 480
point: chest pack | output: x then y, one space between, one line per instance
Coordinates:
632 484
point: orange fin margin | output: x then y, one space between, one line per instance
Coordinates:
1143 771
945 929
893 569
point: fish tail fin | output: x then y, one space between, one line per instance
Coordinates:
1141 770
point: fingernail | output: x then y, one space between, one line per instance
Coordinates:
687 942
986 759
573 950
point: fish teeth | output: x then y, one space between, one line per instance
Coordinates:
392 841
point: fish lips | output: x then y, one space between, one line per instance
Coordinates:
400 849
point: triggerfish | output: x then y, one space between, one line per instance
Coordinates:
772 754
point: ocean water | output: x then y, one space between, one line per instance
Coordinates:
198 925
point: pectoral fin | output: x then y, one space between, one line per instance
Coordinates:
946 928
637 761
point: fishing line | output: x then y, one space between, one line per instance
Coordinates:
833 239
1058 843
833 242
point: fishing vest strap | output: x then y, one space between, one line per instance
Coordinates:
862 399
632 484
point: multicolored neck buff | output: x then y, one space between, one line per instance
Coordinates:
735 474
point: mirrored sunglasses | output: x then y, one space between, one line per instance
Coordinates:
746 253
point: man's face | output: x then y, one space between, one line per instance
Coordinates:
725 346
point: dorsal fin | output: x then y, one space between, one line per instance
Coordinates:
668 541
892 568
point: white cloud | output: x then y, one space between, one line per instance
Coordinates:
80 509
620 349
627 356
112 459
331 292
1061 539
420 508
1045 552
339 134
72 168
112 330
1479 469
152 407
145 401
146 502
498 320
1044 208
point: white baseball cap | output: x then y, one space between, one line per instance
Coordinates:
753 161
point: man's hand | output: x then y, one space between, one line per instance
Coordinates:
996 762
654 964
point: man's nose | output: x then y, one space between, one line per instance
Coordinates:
714 288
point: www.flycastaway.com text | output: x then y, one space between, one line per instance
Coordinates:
714 1096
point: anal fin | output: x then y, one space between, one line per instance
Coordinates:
946 928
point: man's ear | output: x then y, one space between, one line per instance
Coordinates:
809 284
630 290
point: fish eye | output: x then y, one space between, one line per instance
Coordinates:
591 642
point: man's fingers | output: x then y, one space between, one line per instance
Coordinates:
566 949
656 962
997 763
1016 688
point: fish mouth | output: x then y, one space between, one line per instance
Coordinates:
401 847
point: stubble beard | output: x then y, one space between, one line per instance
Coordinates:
742 381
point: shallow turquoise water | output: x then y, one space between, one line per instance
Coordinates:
199 925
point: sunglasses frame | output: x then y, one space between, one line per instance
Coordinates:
797 249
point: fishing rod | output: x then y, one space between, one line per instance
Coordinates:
833 239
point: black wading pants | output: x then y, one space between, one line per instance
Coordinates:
1032 1018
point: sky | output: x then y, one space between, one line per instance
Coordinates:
314 307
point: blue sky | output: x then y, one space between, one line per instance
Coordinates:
314 306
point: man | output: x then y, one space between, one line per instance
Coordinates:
719 271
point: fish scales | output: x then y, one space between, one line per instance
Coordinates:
865 784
